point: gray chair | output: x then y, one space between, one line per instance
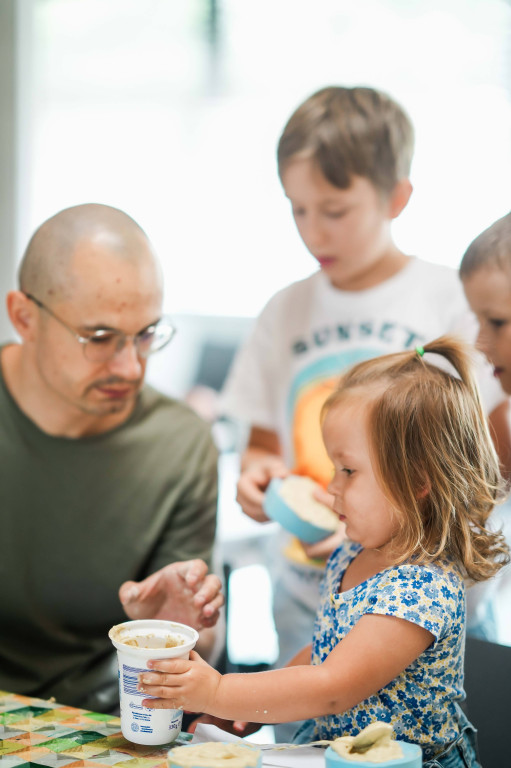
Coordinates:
488 704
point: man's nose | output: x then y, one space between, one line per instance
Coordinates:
126 362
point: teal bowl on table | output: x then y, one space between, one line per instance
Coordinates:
412 758
279 511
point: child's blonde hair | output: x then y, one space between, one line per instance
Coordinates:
432 453
492 248
350 132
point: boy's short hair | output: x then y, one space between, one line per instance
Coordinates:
350 132
492 248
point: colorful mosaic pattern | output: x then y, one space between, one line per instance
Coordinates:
34 732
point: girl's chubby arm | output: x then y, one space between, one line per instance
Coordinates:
240 727
371 655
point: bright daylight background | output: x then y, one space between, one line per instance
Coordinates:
171 110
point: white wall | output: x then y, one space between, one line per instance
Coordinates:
138 106
131 103
15 57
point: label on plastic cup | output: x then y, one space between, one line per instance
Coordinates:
136 643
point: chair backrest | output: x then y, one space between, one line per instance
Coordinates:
488 705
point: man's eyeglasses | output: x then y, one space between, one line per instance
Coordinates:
101 345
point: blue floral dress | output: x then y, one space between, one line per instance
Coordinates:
421 703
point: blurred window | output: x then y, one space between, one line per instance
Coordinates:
172 111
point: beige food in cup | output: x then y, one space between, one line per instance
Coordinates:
151 641
297 492
156 641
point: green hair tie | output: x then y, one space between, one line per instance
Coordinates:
420 351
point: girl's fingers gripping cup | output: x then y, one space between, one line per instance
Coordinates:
136 643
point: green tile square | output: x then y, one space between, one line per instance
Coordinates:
84 737
52 731
13 715
60 744
102 717
69 741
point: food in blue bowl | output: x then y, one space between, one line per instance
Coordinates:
290 501
373 747
214 754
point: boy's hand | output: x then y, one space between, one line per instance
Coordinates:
182 592
189 684
253 483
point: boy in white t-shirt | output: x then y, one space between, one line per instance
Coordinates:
485 272
344 162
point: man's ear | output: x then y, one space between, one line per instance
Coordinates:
399 197
22 314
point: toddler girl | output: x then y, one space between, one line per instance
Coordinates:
415 479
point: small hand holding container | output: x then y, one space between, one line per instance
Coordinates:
136 643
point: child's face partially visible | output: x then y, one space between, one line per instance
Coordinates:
359 500
488 291
346 230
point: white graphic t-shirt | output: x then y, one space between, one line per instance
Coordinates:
310 332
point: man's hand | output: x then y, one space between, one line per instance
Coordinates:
182 592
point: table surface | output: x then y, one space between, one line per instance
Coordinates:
34 732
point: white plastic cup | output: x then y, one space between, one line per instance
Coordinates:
141 724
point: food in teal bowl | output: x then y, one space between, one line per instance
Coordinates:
412 758
290 502
214 754
373 747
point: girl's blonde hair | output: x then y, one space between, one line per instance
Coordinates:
433 454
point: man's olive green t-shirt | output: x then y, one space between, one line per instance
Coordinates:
80 517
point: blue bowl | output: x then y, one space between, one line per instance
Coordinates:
277 509
412 758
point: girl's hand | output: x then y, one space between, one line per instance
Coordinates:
237 727
322 550
180 683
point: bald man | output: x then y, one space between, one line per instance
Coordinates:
108 489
